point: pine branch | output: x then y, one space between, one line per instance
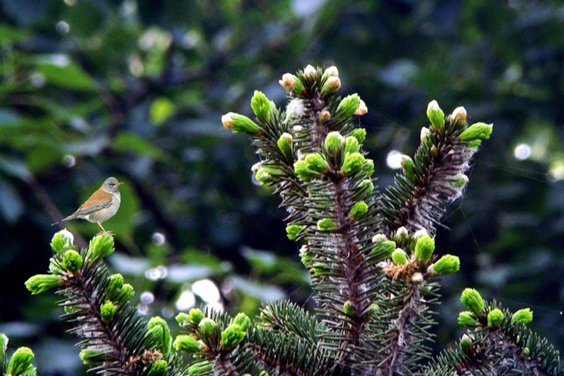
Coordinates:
287 317
115 339
435 176
408 324
322 181
497 343
20 362
287 354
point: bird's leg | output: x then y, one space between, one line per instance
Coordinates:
102 230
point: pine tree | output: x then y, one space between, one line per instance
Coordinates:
371 260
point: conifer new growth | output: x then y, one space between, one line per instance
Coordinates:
372 260
20 362
522 316
473 301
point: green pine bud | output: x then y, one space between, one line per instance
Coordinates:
399 257
293 230
101 246
285 144
72 261
42 282
459 114
424 133
186 344
70 309
57 243
3 343
292 83
331 85
302 171
475 144
92 356
359 210
460 181
401 234
466 344
232 336
408 166
424 248
55 266
352 164
320 268
466 318
207 326
369 167
201 368
60 240
107 311
332 71
348 106
261 106
367 186
447 264
473 301
359 134
522 316
115 282
20 361
333 143
242 320
324 117
182 319
417 235
305 256
158 331
379 239
310 71
158 368
326 224
478 131
386 247
195 316
526 352
263 373
348 309
242 124
125 293
495 318
315 162
417 278
351 145
239 124
263 176
436 115
373 310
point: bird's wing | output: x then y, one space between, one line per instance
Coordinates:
94 204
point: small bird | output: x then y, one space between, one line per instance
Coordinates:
101 206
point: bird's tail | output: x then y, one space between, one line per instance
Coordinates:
64 219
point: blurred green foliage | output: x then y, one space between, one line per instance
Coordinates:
136 90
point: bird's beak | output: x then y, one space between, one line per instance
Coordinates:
120 183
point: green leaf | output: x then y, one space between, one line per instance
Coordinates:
69 76
127 141
161 109
10 34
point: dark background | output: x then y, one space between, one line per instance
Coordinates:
136 90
